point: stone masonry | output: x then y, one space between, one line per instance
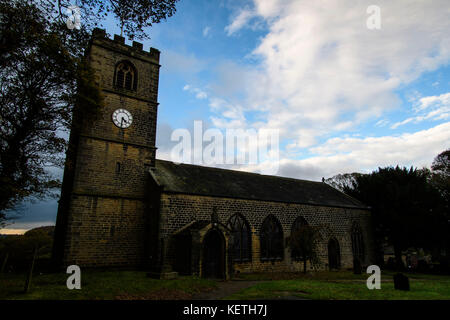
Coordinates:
178 210
102 212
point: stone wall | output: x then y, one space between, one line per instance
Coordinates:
106 232
103 213
178 210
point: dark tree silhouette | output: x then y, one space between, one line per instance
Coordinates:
441 175
302 243
406 208
441 164
39 72
43 75
133 15
441 180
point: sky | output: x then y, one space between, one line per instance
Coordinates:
345 92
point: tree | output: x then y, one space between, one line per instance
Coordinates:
441 164
406 208
441 175
133 15
342 181
19 249
302 243
440 178
43 76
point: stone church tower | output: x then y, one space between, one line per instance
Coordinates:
102 215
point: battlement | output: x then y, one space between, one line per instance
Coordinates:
136 47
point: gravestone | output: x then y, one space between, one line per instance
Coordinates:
401 282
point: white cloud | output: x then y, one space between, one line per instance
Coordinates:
346 155
429 108
199 94
398 124
427 102
382 123
241 19
206 31
321 71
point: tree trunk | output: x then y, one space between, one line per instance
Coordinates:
304 265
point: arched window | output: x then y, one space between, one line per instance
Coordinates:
296 228
334 254
241 239
125 76
357 243
271 239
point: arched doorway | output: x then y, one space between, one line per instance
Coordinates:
334 254
213 265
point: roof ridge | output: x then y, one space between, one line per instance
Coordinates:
189 178
239 171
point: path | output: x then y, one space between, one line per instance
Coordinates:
225 289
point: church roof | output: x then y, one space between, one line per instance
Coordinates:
208 181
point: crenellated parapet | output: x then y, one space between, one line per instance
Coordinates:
118 43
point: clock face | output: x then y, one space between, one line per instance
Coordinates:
122 118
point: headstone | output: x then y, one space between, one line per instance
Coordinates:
401 282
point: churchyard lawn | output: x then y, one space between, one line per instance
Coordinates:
136 285
102 285
344 285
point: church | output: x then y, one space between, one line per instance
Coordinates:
120 206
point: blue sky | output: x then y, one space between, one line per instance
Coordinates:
343 97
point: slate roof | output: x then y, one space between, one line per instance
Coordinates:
200 180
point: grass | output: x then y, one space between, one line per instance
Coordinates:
317 275
346 286
102 285
341 285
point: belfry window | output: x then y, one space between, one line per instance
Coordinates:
271 239
126 76
241 239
